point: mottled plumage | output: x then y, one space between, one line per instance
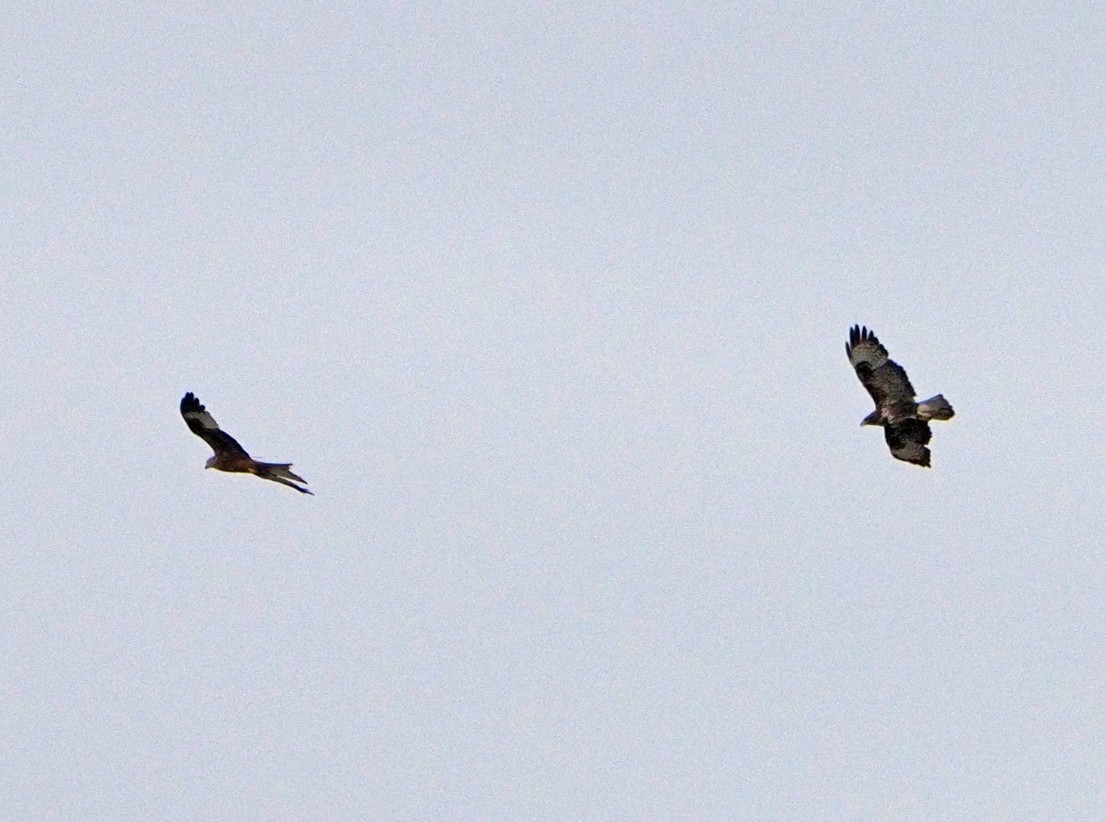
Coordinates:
905 422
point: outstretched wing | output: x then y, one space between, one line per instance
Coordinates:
884 378
203 425
907 440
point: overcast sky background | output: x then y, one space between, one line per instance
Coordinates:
549 305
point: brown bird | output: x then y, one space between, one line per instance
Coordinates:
905 421
229 455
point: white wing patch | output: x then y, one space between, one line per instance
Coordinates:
204 419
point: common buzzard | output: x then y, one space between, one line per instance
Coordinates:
905 422
229 455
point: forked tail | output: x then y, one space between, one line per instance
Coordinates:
935 408
278 472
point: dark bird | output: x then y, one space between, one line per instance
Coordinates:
229 455
905 422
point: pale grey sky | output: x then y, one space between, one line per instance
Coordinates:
549 305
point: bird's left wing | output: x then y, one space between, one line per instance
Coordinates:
884 378
907 440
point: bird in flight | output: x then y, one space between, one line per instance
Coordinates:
905 422
229 455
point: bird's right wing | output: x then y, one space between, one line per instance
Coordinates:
203 425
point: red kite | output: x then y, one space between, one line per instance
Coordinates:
229 455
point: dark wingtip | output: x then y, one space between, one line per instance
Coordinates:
859 334
190 403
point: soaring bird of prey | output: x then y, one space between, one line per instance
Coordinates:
229 455
905 422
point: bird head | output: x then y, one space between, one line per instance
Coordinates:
871 419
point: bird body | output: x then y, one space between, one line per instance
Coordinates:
229 455
905 422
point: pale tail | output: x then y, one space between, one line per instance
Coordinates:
935 408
